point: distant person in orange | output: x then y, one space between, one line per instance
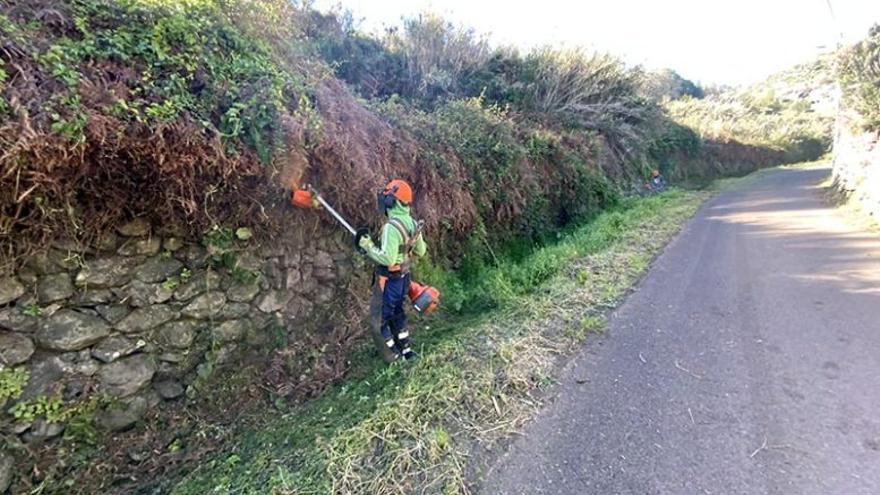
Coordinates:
658 183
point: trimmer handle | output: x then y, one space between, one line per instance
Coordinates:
360 234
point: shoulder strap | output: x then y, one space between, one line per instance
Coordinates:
408 237
401 227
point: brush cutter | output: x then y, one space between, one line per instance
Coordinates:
424 298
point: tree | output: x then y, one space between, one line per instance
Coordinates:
666 85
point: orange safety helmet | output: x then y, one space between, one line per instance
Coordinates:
400 190
396 190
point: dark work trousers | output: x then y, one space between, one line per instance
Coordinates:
393 316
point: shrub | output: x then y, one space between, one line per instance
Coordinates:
591 90
501 79
438 56
362 61
159 107
775 114
672 142
665 85
858 71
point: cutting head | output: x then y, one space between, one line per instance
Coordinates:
302 198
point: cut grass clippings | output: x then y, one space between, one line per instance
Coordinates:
410 428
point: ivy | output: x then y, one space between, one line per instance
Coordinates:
49 408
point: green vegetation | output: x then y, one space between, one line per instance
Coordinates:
431 61
486 284
52 409
783 113
858 71
11 382
221 100
49 408
224 246
31 310
667 85
390 429
855 165
490 147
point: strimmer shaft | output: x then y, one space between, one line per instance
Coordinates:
335 214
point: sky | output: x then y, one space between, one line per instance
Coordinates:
715 42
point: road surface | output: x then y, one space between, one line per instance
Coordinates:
748 361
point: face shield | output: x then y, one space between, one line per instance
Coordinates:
385 199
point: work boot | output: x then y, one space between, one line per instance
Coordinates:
389 339
409 354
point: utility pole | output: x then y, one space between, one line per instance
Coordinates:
838 93
834 22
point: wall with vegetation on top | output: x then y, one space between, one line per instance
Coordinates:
856 167
857 138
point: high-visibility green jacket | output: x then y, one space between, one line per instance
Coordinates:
392 250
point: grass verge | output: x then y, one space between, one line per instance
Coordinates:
410 428
851 209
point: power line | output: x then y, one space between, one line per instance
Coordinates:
835 23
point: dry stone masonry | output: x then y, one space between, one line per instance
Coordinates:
134 318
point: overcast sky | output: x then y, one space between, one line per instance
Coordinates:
731 42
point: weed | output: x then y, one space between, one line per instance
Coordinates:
11 382
204 371
243 233
175 446
578 330
544 382
170 283
111 73
244 276
219 239
32 310
50 408
221 246
79 418
173 282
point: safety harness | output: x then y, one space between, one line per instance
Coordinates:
409 243
383 273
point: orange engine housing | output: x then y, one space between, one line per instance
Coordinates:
424 298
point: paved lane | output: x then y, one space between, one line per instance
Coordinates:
747 362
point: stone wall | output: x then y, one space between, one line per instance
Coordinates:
141 316
856 166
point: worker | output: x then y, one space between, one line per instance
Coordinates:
401 239
658 183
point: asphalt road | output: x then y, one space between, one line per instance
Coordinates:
747 361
